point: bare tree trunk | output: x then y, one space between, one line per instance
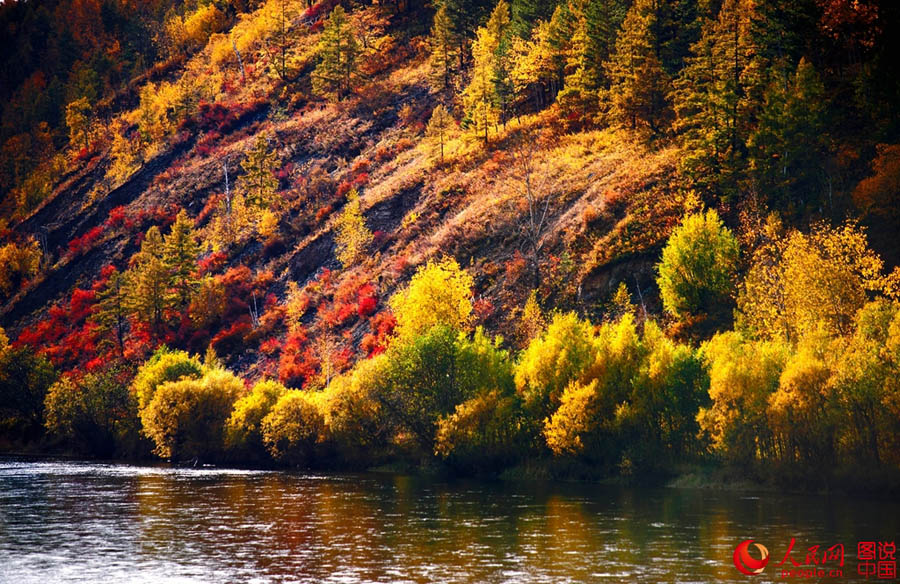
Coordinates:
240 62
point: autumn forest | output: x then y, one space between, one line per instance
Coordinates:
603 239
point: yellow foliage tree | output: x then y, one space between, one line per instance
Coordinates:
439 293
186 418
18 263
798 281
552 361
440 127
78 117
743 374
244 427
293 427
698 265
352 237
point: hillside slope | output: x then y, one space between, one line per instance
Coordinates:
619 237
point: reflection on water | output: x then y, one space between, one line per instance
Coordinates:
82 522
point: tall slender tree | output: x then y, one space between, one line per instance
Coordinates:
148 282
444 52
338 57
439 126
638 82
258 182
487 96
111 313
180 251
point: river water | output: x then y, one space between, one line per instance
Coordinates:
89 522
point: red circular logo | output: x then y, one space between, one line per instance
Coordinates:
746 563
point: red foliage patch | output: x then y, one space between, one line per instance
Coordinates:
66 337
118 217
515 268
360 180
382 325
212 263
269 347
360 166
318 10
483 308
368 300
344 188
322 213
82 244
231 340
298 363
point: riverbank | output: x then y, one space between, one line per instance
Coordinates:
703 477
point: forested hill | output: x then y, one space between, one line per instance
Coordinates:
679 216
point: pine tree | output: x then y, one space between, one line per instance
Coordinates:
486 96
604 19
787 149
111 313
638 83
180 251
589 27
148 282
722 91
444 49
464 17
439 126
338 54
536 66
714 99
353 237
481 112
498 26
259 183
526 13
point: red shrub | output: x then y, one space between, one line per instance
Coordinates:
212 203
383 323
82 244
403 144
322 213
335 314
285 171
95 364
319 10
367 300
401 263
212 263
269 347
65 336
370 345
360 166
297 363
105 272
81 304
515 267
483 308
344 312
378 238
117 217
360 180
231 340
344 188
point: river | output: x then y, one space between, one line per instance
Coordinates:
90 522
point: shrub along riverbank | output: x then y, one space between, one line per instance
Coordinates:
802 391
